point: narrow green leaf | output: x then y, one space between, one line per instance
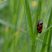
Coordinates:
29 18
47 37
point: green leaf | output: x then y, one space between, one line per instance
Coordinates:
47 37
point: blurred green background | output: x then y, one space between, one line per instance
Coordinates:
18 25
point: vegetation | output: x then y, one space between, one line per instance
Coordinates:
18 25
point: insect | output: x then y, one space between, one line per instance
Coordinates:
39 26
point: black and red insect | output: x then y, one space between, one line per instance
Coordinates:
39 26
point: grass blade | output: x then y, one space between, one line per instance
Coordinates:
47 37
